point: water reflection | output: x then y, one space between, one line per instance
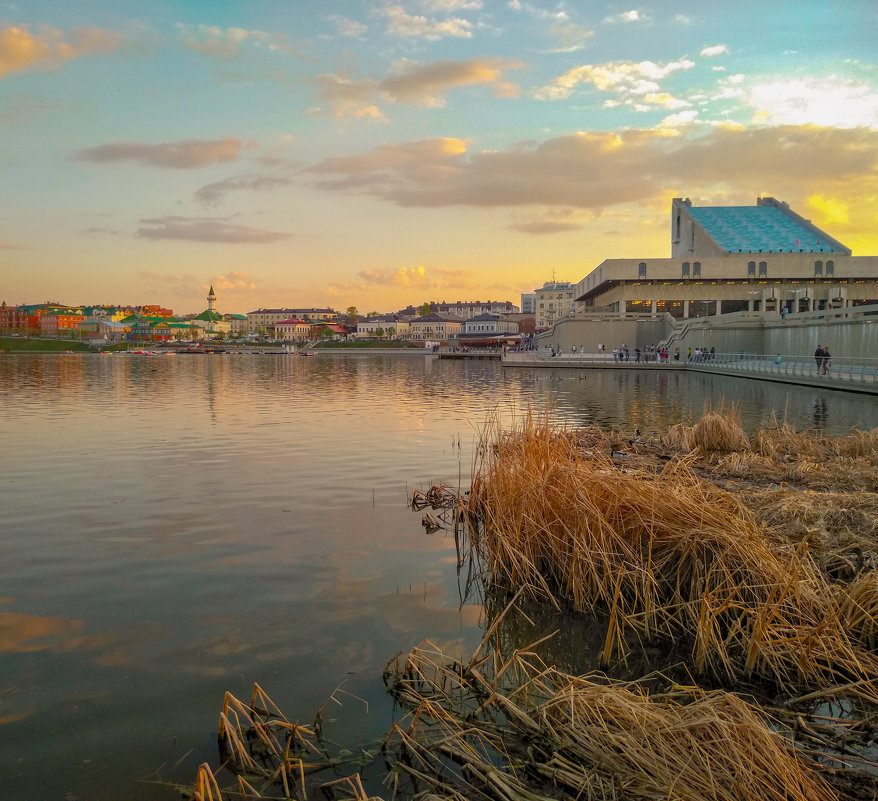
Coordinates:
181 526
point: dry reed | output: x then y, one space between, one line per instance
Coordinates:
666 554
512 728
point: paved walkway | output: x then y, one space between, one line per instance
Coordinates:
844 374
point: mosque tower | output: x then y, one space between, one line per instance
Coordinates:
211 300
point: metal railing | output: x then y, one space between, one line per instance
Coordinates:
839 370
843 370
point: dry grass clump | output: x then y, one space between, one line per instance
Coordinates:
516 729
720 432
716 432
778 453
666 554
840 528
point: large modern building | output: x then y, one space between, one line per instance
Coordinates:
734 258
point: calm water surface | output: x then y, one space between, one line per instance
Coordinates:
175 527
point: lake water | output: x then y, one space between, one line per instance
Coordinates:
175 527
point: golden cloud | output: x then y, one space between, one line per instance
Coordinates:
20 49
600 170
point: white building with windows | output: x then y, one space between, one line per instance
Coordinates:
376 328
554 301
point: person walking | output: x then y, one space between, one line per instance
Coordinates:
818 357
827 360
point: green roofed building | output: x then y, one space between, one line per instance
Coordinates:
733 258
210 320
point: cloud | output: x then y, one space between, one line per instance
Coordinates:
213 193
628 16
401 277
205 229
627 78
418 277
185 155
425 84
411 83
233 282
20 49
714 50
452 5
570 37
226 43
400 23
346 27
598 170
829 101
539 227
343 97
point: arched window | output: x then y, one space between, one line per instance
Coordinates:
763 268
641 270
751 268
830 268
685 269
696 269
818 267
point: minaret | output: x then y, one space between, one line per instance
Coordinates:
211 300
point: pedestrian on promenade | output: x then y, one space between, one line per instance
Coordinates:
818 357
777 359
827 360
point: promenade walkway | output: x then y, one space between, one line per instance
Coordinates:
852 375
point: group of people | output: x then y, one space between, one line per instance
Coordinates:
700 354
649 353
823 358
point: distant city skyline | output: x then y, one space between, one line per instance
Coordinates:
371 152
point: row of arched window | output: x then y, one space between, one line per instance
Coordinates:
751 269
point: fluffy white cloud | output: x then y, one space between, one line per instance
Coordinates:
623 77
401 23
829 101
714 50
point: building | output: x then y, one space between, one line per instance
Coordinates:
61 322
528 303
464 310
262 320
435 327
489 329
292 330
237 323
210 321
489 324
376 328
317 315
554 301
725 259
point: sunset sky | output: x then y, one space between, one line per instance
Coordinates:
369 153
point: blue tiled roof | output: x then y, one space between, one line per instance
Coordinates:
750 229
